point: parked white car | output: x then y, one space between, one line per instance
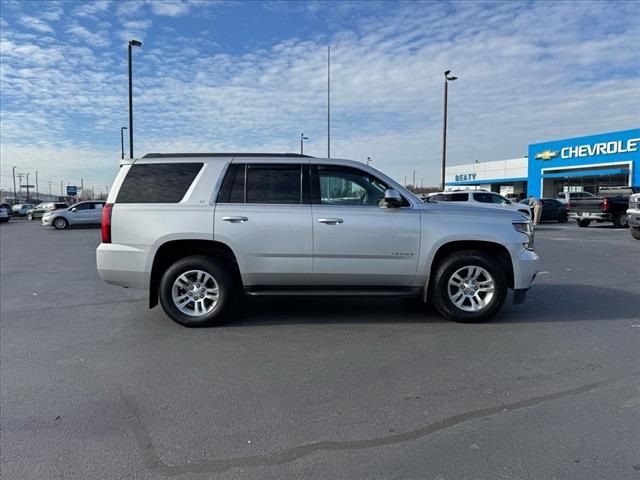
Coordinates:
196 230
479 198
82 213
566 197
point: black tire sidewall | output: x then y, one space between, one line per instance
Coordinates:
635 232
620 220
212 266
584 223
455 261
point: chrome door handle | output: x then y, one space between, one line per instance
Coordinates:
235 219
330 221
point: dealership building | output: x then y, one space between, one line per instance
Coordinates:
572 164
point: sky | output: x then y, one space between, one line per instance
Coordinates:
216 76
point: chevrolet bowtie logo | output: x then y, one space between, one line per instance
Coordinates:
546 155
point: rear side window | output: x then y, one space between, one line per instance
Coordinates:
454 197
157 182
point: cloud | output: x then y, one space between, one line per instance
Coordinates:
93 9
94 39
170 8
36 24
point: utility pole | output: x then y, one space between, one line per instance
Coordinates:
20 177
132 43
405 181
50 190
27 187
82 189
61 190
414 181
368 161
37 189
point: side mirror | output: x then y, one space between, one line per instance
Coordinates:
74 209
392 198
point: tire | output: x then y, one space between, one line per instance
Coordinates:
190 270
635 232
562 218
60 223
584 223
620 220
462 265
29 216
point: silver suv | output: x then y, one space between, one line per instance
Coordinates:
197 230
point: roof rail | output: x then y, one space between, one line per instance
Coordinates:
218 154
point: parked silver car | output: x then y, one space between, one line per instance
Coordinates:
82 213
195 230
21 209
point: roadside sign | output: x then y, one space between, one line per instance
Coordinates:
72 190
27 186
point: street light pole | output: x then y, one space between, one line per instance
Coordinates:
368 161
27 188
447 78
132 43
37 189
302 139
122 129
15 194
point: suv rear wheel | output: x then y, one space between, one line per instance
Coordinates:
469 286
584 223
196 291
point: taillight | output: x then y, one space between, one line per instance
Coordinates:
604 206
106 222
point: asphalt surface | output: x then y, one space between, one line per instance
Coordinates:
95 385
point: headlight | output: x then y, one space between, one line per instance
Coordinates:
527 229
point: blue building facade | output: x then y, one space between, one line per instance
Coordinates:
584 163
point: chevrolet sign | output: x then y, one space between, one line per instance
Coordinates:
604 148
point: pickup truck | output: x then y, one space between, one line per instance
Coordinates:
609 206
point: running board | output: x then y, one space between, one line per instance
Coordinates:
334 292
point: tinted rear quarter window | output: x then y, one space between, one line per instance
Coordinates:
157 182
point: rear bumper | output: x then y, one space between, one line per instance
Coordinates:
592 216
122 265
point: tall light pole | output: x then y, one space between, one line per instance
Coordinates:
368 161
132 43
447 78
27 187
15 194
302 139
122 129
37 189
329 101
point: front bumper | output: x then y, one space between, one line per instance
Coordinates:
591 216
46 220
525 269
633 218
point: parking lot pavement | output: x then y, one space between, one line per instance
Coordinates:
95 385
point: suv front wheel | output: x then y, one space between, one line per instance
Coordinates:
196 291
469 286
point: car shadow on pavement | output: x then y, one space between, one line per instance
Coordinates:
571 302
545 303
